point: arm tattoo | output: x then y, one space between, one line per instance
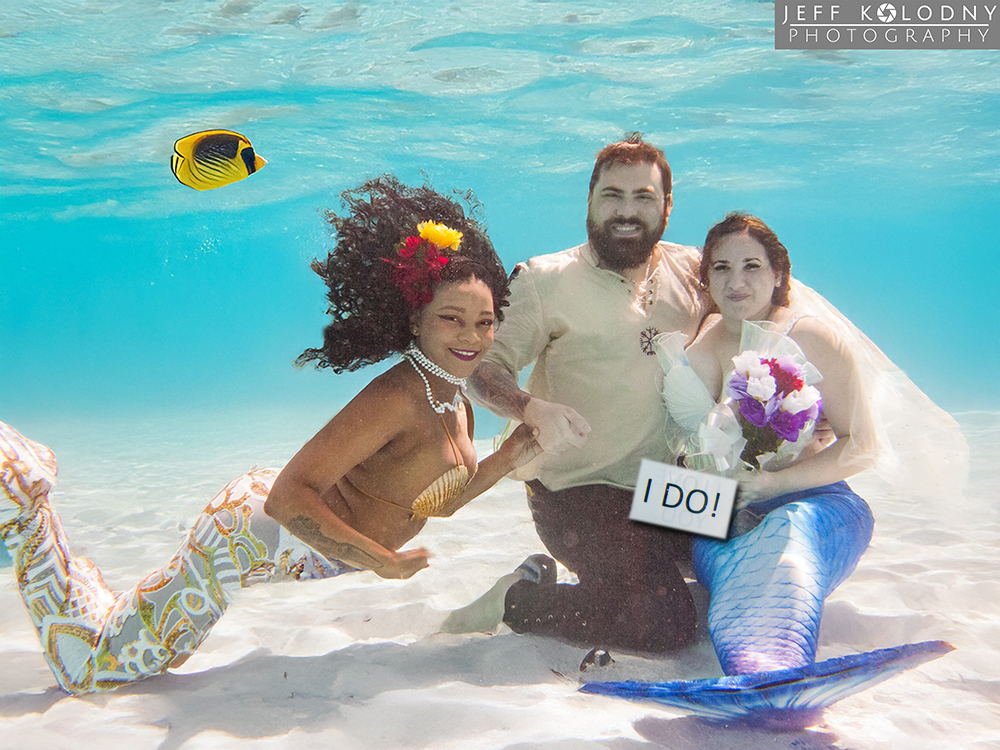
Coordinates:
308 531
497 389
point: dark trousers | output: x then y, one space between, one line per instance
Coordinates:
631 594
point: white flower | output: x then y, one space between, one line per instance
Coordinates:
761 388
800 401
749 364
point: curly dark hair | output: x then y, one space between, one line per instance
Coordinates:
371 319
738 222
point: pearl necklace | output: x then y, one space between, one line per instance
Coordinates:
417 357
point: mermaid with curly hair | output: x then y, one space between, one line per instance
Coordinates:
411 274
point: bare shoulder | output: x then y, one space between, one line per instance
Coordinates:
377 416
821 344
393 393
700 350
379 413
710 339
812 332
703 354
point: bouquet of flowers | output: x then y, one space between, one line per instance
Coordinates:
775 404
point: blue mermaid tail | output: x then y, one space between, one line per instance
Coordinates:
768 586
793 697
767 591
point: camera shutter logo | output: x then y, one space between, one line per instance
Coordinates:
886 13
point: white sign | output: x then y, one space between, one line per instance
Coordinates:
683 499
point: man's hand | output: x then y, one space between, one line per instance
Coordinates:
823 433
555 427
755 486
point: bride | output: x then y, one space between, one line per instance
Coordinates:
799 528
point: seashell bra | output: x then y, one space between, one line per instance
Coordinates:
441 498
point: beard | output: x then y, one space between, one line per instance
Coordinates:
619 253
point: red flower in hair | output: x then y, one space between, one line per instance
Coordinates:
417 270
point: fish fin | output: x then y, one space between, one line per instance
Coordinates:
181 169
188 143
769 696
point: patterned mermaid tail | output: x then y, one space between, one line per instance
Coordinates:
95 639
767 591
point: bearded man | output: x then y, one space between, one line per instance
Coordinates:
586 318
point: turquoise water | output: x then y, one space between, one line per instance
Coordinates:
124 292
127 295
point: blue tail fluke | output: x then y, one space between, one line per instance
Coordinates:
789 693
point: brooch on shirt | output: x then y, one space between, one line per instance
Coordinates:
646 340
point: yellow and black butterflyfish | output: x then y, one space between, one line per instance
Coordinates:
213 158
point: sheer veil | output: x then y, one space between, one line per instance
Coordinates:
920 447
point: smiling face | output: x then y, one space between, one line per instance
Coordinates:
626 214
455 329
741 279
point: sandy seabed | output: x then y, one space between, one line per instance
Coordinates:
358 662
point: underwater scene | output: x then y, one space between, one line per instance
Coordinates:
149 332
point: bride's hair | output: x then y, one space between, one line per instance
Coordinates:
371 318
738 222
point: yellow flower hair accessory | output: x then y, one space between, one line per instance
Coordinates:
439 235
419 260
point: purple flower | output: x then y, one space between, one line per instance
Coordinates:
788 425
753 411
771 407
737 386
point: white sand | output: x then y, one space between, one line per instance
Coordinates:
357 662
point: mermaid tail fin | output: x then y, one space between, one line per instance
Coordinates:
52 581
27 475
781 696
